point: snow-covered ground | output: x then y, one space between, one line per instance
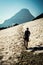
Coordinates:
11 39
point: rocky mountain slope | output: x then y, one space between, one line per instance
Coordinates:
22 16
38 17
11 40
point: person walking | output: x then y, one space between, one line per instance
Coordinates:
26 38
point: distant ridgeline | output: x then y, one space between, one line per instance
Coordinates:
38 17
8 27
22 16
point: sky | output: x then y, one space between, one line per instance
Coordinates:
9 8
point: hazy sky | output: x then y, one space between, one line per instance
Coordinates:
9 8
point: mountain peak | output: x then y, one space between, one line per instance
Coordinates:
24 9
22 16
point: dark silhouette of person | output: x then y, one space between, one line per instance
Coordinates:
26 37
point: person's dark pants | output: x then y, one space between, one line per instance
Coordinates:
26 43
